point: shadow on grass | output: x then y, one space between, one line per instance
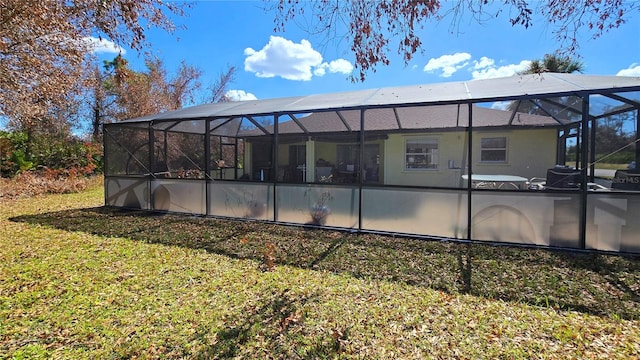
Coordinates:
275 319
598 284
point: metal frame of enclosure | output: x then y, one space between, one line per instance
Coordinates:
540 160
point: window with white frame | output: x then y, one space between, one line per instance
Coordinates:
421 154
493 149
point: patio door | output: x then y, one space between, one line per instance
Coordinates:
262 156
297 164
348 160
372 163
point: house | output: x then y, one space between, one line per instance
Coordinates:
411 146
509 160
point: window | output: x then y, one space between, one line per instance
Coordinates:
421 154
493 149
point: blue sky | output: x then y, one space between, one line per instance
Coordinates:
219 34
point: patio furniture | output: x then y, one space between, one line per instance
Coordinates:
323 173
628 179
480 181
563 178
536 183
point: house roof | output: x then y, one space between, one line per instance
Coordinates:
406 118
547 85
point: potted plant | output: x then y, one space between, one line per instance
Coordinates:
320 209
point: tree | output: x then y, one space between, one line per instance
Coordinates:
44 47
371 25
615 136
124 93
554 63
218 89
138 94
557 64
99 101
184 85
612 142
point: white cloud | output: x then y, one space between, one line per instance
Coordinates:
448 64
336 66
486 69
291 61
284 58
103 46
239 95
341 66
632 70
484 62
320 71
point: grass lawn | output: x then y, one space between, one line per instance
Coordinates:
611 166
78 280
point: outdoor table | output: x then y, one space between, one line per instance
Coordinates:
496 181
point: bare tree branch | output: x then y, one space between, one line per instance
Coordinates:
373 26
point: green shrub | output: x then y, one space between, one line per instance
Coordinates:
59 153
13 153
622 157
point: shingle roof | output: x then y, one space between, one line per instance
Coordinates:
408 118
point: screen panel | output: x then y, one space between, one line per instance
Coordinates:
438 213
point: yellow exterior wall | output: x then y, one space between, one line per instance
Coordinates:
327 151
283 153
248 164
529 153
451 146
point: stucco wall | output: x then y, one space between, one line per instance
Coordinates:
326 151
529 153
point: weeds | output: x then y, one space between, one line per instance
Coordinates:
31 183
80 281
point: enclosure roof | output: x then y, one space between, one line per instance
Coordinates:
517 86
405 118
